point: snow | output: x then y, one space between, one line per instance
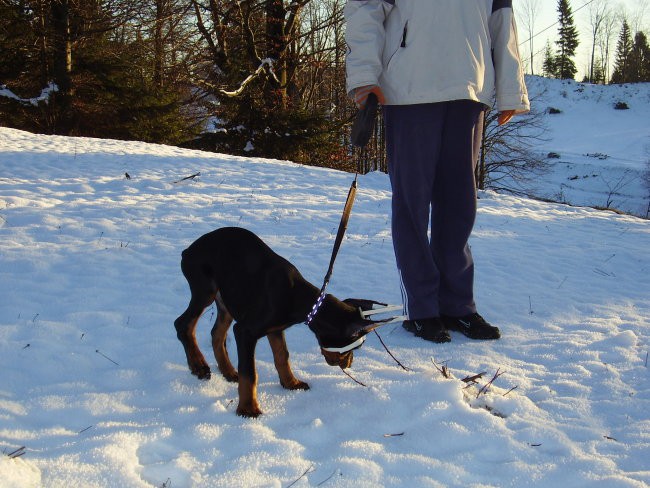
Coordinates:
603 152
95 384
43 97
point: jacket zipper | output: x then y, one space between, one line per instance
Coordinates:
403 44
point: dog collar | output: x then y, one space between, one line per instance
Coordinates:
347 348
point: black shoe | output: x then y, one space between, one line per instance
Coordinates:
428 329
473 326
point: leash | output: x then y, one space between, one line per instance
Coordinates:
343 225
362 129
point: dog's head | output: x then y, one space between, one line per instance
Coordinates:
340 330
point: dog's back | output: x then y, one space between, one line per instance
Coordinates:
242 268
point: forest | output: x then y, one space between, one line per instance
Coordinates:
249 77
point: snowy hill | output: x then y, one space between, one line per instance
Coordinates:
602 153
96 389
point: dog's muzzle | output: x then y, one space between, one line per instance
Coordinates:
341 356
350 347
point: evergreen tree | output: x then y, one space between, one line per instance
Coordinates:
639 59
565 68
621 72
101 65
598 75
549 66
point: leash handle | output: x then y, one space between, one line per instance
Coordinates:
364 122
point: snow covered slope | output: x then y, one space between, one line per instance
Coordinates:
602 152
95 386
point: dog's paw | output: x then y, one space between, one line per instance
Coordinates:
251 411
296 385
202 372
230 376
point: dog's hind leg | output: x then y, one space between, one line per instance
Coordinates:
219 332
203 294
185 331
281 359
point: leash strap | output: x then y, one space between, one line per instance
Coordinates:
343 225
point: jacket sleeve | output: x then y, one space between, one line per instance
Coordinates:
364 35
511 92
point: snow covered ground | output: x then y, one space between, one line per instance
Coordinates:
95 386
602 153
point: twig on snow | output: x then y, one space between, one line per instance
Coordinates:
104 355
472 380
17 453
604 273
353 378
485 388
444 371
328 478
301 476
190 177
390 353
511 389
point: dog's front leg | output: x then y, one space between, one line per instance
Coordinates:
281 359
219 332
246 342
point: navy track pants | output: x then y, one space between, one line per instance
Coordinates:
432 153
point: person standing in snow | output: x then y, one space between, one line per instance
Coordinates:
435 66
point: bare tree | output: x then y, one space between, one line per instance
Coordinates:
253 38
508 159
598 12
638 20
607 34
528 13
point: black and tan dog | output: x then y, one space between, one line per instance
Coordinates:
265 294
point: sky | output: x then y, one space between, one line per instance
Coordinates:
548 17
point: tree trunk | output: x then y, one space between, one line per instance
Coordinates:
42 40
161 12
62 65
276 45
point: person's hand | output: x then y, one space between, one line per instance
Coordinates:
505 116
361 95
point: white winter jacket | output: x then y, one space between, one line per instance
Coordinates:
424 51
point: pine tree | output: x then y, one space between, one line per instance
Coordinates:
598 74
565 68
639 59
548 68
621 72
